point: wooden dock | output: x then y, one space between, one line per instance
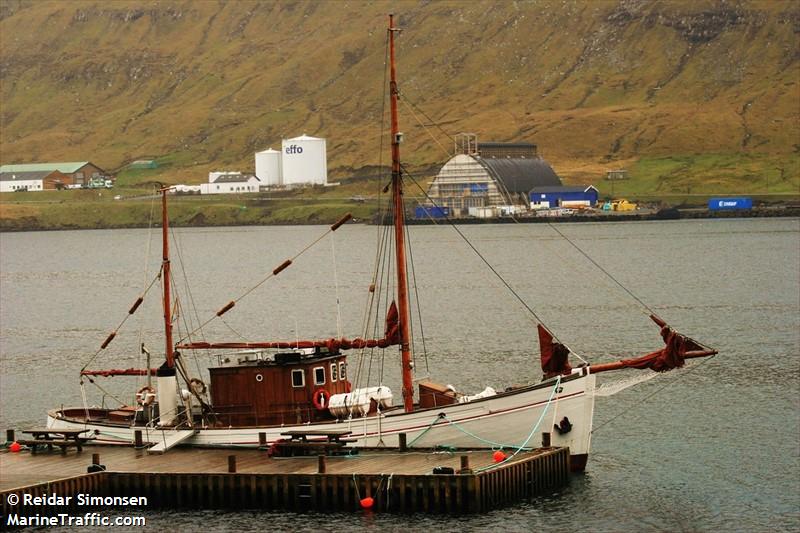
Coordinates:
249 479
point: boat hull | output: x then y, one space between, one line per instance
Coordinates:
508 420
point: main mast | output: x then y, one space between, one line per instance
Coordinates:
399 232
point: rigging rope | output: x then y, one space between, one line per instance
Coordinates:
105 392
336 287
678 377
130 313
186 282
482 258
423 113
141 359
272 274
424 127
596 264
417 301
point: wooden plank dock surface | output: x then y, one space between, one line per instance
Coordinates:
24 468
400 481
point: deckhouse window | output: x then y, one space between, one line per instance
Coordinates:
319 375
342 371
298 378
334 373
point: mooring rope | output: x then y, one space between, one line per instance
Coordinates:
443 416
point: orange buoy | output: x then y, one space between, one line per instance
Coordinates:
499 456
15 447
366 503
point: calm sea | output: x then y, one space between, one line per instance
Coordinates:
715 446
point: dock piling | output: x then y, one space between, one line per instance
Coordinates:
262 440
321 464
10 437
546 439
138 443
402 442
465 469
193 479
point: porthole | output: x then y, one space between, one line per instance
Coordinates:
259 378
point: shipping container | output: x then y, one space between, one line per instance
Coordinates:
431 211
483 212
722 204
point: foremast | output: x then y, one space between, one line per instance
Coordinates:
399 231
166 373
165 279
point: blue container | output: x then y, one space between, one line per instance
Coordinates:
723 204
431 211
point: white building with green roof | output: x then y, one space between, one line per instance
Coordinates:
79 172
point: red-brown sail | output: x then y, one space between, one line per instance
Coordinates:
554 355
677 348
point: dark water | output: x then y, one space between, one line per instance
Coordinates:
715 446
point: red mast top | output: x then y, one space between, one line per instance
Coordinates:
165 273
399 232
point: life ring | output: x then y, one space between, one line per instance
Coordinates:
320 399
145 396
197 386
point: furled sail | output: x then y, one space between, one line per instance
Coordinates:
391 337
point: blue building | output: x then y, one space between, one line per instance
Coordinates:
553 196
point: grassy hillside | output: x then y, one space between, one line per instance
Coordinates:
88 209
695 96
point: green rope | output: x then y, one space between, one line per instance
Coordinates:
530 435
440 415
494 444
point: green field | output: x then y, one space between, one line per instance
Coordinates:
98 209
681 178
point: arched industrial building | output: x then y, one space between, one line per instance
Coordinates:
490 175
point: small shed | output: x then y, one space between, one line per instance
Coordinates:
620 174
560 196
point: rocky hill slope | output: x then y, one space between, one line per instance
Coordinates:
676 91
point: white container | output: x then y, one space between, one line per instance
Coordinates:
486 212
304 161
357 402
268 167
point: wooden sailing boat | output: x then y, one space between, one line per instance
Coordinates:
265 389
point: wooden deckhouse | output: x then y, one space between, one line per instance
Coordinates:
291 387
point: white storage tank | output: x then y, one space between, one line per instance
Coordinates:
268 167
304 160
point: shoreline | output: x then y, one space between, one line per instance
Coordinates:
26 224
